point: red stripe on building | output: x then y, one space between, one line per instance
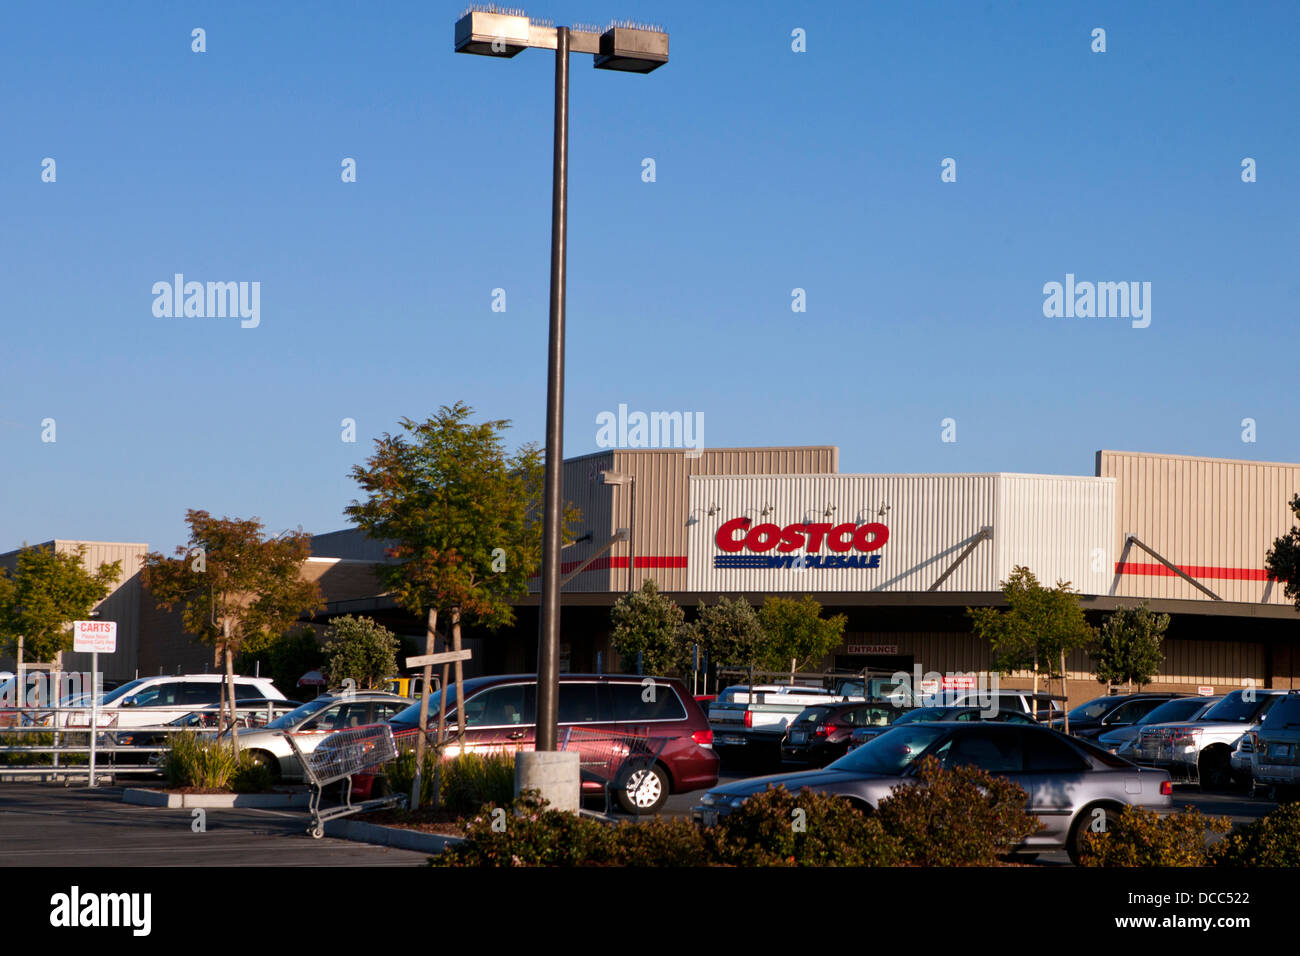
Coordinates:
642 561
1193 570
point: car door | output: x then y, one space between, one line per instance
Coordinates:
500 719
1057 778
155 705
990 747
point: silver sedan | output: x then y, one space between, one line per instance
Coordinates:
1071 783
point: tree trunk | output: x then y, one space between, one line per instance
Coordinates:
234 720
1035 699
420 744
1065 692
460 675
221 694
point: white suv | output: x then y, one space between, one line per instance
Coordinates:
154 701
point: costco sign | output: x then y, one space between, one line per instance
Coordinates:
747 545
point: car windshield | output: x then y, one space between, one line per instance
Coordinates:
892 751
1285 714
299 714
122 691
1185 708
1235 709
1093 709
412 714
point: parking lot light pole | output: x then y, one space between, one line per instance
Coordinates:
627 48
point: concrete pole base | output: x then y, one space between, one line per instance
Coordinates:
556 774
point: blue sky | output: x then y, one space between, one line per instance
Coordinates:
775 170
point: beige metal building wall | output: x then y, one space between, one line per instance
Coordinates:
1214 518
122 604
1057 526
663 500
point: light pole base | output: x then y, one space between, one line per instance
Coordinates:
554 774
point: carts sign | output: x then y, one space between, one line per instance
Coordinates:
94 637
740 535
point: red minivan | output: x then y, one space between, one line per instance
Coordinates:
604 716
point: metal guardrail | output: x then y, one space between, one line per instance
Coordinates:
72 741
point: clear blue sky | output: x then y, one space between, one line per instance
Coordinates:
775 170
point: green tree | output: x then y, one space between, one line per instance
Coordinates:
1039 628
1128 646
233 586
465 521
359 649
283 657
47 592
651 624
794 630
1283 559
729 632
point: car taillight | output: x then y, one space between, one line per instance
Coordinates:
824 730
703 737
1166 788
749 718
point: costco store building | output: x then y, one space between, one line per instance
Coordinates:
903 556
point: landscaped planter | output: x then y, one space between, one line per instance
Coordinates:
401 838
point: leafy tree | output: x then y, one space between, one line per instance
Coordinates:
465 518
360 649
284 658
652 625
47 592
233 586
794 630
1283 559
729 632
1128 646
1039 628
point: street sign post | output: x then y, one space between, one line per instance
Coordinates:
93 636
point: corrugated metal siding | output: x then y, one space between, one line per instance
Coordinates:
1215 518
122 604
931 519
662 504
1059 527
1055 525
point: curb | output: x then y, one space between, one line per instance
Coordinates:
263 801
396 837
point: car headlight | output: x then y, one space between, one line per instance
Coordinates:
735 801
708 800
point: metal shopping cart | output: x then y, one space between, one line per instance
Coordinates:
338 757
618 762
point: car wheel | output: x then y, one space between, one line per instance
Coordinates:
1074 844
644 790
260 758
1214 768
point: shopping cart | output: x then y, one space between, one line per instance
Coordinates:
616 761
338 757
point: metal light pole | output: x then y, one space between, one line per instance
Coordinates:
627 48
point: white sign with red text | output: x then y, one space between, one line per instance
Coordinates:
94 636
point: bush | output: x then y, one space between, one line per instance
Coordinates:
1273 840
251 777
778 828
661 842
471 780
527 832
399 776
194 761
957 817
45 739
1138 837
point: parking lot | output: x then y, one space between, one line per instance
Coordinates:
50 825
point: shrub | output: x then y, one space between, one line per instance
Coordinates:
1273 840
194 761
957 817
471 780
778 828
45 739
250 776
527 832
399 775
1138 837
661 842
